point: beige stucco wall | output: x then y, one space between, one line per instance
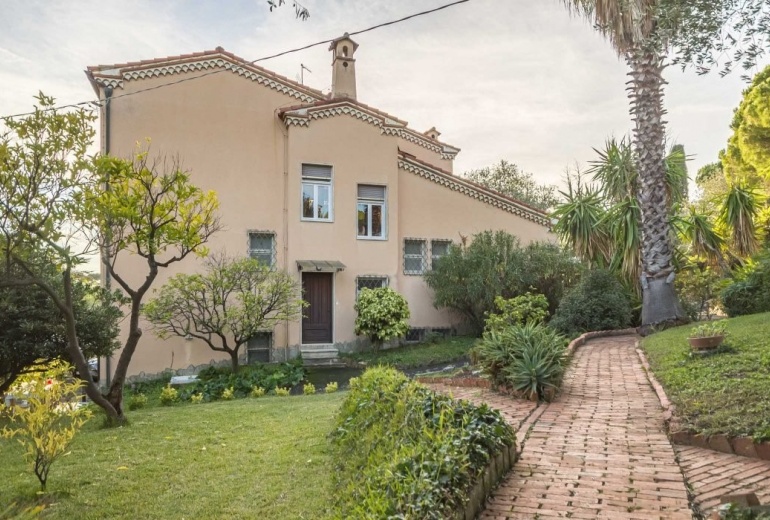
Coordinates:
226 130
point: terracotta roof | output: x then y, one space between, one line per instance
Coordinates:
539 213
364 106
332 101
122 68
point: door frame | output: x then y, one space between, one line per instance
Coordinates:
333 307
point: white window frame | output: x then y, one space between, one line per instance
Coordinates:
421 256
370 203
433 257
315 182
384 279
273 246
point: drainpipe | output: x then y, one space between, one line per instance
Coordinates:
285 134
107 277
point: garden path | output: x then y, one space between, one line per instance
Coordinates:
598 451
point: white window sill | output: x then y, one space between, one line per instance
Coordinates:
324 221
376 239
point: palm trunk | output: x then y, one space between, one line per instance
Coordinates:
660 305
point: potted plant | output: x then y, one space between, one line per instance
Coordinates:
707 336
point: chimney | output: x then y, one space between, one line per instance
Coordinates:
343 67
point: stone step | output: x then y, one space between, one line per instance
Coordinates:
320 355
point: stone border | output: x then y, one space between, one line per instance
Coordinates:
487 481
743 446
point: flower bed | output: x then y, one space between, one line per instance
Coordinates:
404 451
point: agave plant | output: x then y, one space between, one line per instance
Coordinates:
536 372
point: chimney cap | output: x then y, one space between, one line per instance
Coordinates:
345 36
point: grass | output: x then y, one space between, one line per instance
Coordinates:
445 350
725 392
261 458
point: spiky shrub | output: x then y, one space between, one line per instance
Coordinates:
331 387
598 302
308 389
383 314
282 392
196 398
526 358
228 394
403 451
46 427
257 391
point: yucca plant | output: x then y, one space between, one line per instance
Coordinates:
739 211
696 229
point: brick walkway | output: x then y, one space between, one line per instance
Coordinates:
713 475
599 450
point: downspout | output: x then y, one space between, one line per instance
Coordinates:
285 133
107 277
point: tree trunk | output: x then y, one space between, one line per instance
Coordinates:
115 394
660 305
234 360
114 416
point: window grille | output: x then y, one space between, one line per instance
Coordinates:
438 248
258 348
262 247
414 256
370 282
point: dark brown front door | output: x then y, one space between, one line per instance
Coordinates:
317 316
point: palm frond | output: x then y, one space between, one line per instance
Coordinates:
739 211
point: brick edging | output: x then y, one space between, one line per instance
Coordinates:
743 446
496 470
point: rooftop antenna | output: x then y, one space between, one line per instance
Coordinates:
302 70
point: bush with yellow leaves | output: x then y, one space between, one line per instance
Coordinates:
49 422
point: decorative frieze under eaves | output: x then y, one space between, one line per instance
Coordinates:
303 117
473 192
213 63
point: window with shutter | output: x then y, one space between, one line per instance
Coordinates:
317 192
372 211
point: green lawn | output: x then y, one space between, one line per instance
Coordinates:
424 354
727 392
261 458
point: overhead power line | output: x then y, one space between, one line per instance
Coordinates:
253 62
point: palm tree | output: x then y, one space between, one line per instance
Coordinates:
639 34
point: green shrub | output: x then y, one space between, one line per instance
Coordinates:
213 381
697 286
526 358
257 391
331 387
137 401
403 451
750 292
169 395
308 389
517 311
468 279
383 314
196 398
598 302
282 392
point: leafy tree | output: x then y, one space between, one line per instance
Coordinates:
300 11
468 279
151 211
383 314
508 179
233 301
55 211
44 175
747 157
32 332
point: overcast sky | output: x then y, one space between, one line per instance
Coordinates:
501 79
